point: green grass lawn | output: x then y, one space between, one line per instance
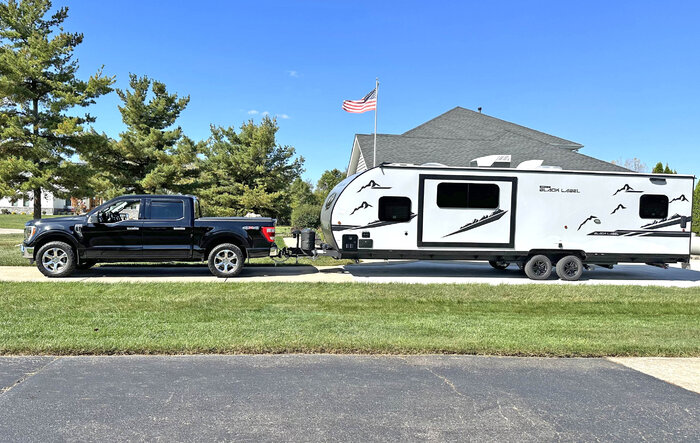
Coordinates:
556 320
9 251
17 221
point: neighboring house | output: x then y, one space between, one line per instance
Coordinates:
49 205
460 135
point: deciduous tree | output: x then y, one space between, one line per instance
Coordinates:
329 179
39 90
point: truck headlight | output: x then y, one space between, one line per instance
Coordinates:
29 232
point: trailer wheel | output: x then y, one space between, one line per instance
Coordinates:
570 268
499 264
226 260
539 267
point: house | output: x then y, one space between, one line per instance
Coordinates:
460 135
49 205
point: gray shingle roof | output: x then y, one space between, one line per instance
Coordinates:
460 152
463 123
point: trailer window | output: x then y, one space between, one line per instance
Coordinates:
468 195
653 206
396 209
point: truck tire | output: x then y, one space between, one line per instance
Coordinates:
539 267
499 264
87 264
56 259
570 268
226 260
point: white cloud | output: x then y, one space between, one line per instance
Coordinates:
253 112
265 113
283 116
294 74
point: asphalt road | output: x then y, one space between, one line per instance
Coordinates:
329 397
371 272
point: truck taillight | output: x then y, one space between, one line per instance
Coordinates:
269 233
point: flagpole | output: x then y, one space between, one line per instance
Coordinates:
376 96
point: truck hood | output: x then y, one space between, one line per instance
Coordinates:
58 220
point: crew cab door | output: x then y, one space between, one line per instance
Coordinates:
167 229
467 211
118 239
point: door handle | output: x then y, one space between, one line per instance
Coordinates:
132 228
178 229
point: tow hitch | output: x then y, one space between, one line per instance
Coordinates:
303 244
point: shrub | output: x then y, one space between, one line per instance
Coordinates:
306 216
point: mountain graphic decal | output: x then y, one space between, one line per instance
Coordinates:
486 219
373 185
364 205
592 217
680 199
625 188
620 206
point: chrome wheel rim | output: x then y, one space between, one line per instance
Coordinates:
54 260
570 268
225 261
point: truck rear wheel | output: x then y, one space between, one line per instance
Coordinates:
226 260
55 259
539 267
570 268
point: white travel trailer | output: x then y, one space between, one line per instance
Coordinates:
539 218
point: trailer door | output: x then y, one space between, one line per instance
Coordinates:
466 211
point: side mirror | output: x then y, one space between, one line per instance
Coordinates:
92 219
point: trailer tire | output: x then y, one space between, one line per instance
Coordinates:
538 267
499 264
56 259
570 268
225 260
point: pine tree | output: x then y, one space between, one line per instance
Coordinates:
38 90
668 170
151 156
248 171
658 169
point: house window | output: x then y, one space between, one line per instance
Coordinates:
396 209
653 206
468 195
167 209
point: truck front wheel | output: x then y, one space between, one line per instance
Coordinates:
226 260
56 259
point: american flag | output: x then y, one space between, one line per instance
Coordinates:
367 103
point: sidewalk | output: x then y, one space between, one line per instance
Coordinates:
374 272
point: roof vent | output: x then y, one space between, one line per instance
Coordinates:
530 164
492 161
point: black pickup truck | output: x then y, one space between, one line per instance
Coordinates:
136 228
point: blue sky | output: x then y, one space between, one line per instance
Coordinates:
622 78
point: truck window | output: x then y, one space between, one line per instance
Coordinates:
468 195
653 206
396 209
167 209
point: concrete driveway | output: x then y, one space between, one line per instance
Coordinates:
330 397
371 272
